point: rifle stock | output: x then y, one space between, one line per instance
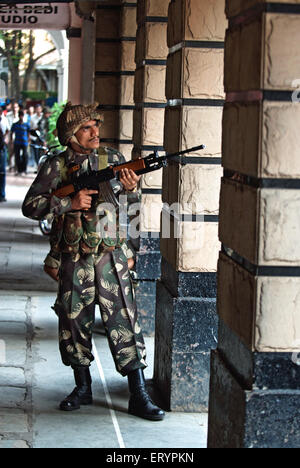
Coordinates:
64 191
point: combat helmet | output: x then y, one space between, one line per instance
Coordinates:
73 118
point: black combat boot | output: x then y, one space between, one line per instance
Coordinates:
82 394
140 403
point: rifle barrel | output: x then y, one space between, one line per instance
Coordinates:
190 150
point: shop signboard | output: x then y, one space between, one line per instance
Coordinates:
35 16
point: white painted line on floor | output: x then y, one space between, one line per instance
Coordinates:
108 398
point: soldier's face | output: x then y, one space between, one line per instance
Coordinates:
88 135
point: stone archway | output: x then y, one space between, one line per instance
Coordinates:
62 46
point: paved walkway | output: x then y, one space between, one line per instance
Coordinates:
32 379
22 247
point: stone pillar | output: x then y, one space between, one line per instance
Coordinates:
65 62
115 68
75 57
88 61
127 68
255 379
107 68
60 79
186 319
150 102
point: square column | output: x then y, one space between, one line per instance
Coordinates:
74 35
107 71
127 67
186 319
255 375
114 73
148 130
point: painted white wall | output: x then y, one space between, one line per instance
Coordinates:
62 45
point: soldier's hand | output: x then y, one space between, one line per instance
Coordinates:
83 199
129 179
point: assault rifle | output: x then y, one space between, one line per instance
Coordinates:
93 179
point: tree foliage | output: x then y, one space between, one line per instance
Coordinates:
52 139
18 48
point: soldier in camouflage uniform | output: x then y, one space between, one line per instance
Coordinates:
93 263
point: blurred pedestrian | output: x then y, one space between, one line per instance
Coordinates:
4 133
31 158
4 126
12 117
20 130
43 125
34 125
2 168
8 107
26 115
30 112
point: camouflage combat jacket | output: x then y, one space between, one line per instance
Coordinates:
75 231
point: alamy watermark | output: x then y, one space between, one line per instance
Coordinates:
175 221
296 354
296 93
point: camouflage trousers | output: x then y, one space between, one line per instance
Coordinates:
105 279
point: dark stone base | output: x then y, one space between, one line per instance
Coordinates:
257 418
185 333
147 265
148 270
146 297
255 370
148 257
